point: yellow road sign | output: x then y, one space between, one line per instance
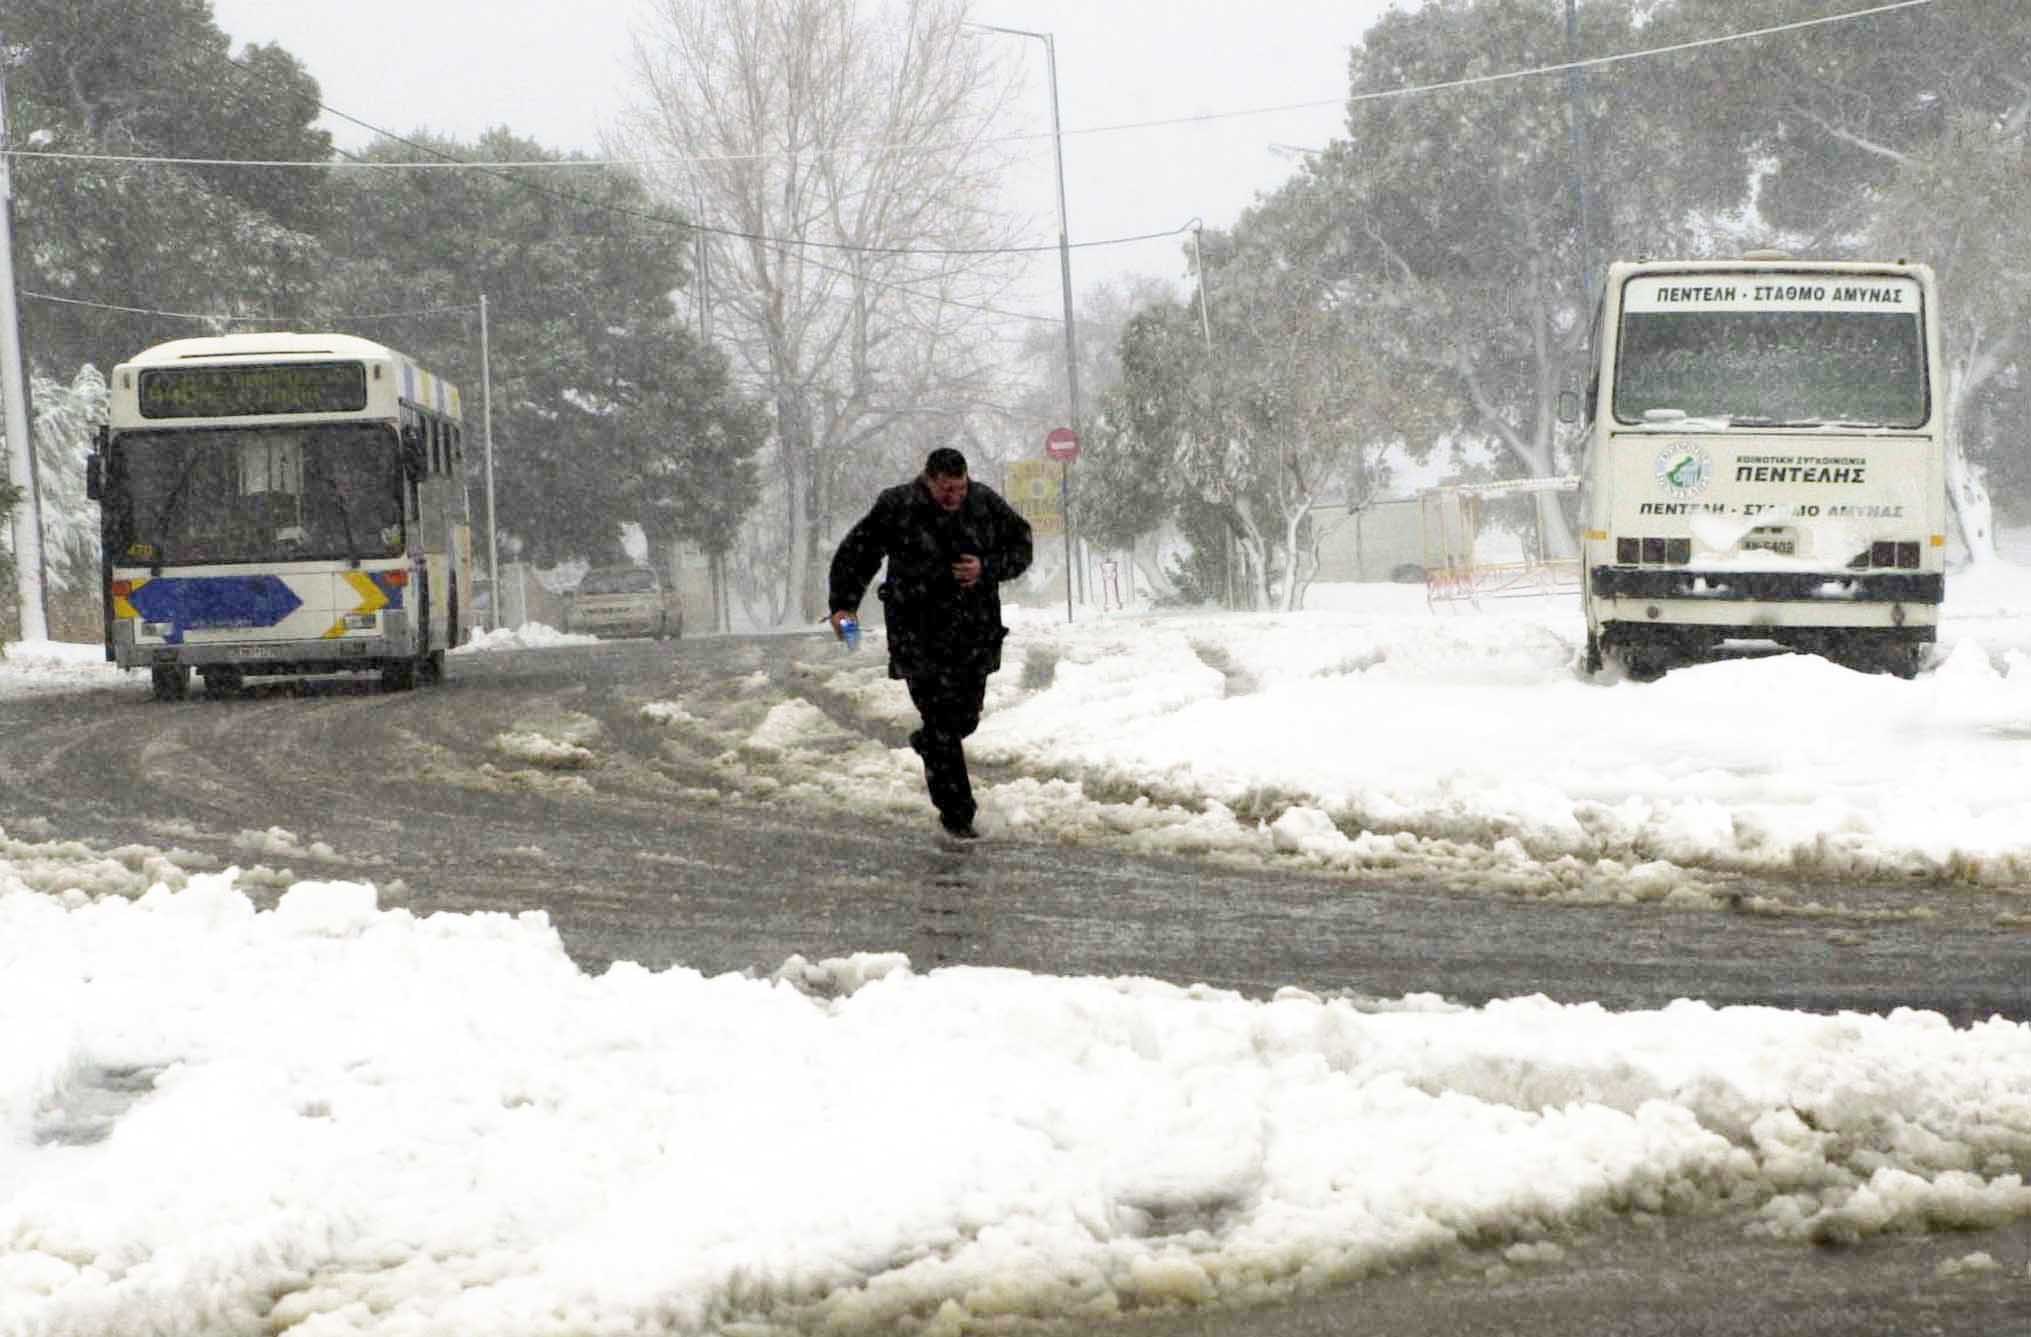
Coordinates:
1036 489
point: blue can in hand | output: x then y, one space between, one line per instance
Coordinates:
849 631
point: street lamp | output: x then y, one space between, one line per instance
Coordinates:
1065 279
30 588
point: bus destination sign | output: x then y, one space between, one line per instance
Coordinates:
241 392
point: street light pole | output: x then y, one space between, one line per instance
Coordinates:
1206 334
1576 149
1065 280
495 594
29 585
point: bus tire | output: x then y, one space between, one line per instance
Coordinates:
170 684
1899 659
1590 662
224 682
399 675
1644 665
1640 657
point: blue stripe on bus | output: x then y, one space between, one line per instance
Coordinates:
207 603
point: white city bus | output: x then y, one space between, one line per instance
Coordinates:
277 504
1764 463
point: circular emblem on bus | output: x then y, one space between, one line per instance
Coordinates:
1684 469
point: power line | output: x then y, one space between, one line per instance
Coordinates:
501 169
462 308
668 221
1411 90
1535 71
564 196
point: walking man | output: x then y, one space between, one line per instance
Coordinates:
949 543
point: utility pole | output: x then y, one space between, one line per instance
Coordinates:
1576 142
494 600
1065 279
1206 334
27 519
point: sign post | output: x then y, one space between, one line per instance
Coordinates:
1062 445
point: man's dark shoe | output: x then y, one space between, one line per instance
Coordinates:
958 830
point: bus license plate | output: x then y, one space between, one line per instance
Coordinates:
1782 544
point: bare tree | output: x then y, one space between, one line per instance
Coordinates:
841 160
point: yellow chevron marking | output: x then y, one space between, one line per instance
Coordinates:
372 600
123 605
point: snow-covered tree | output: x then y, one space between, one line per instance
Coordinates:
65 415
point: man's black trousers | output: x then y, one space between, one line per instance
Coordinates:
949 701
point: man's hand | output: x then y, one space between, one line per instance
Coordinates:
966 570
839 615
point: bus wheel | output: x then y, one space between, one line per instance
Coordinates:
399 675
1641 659
1590 664
224 682
171 684
1900 659
1644 665
433 667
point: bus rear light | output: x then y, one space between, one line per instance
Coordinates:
396 578
1653 550
123 588
1626 552
1678 551
1884 553
1907 556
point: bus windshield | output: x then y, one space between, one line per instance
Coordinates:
1793 368
257 494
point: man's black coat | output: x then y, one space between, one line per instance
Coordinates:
933 624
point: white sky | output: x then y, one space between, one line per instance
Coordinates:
557 73
423 1126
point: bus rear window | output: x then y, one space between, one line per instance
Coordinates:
1785 364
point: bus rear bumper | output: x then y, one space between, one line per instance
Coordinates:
1803 588
347 654
1763 604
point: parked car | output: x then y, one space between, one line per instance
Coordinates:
624 601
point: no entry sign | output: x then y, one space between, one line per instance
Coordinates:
1062 443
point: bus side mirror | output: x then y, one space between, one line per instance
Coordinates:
95 464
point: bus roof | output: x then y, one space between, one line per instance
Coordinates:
263 346
1759 261
413 383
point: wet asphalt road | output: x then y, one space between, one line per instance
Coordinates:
643 856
